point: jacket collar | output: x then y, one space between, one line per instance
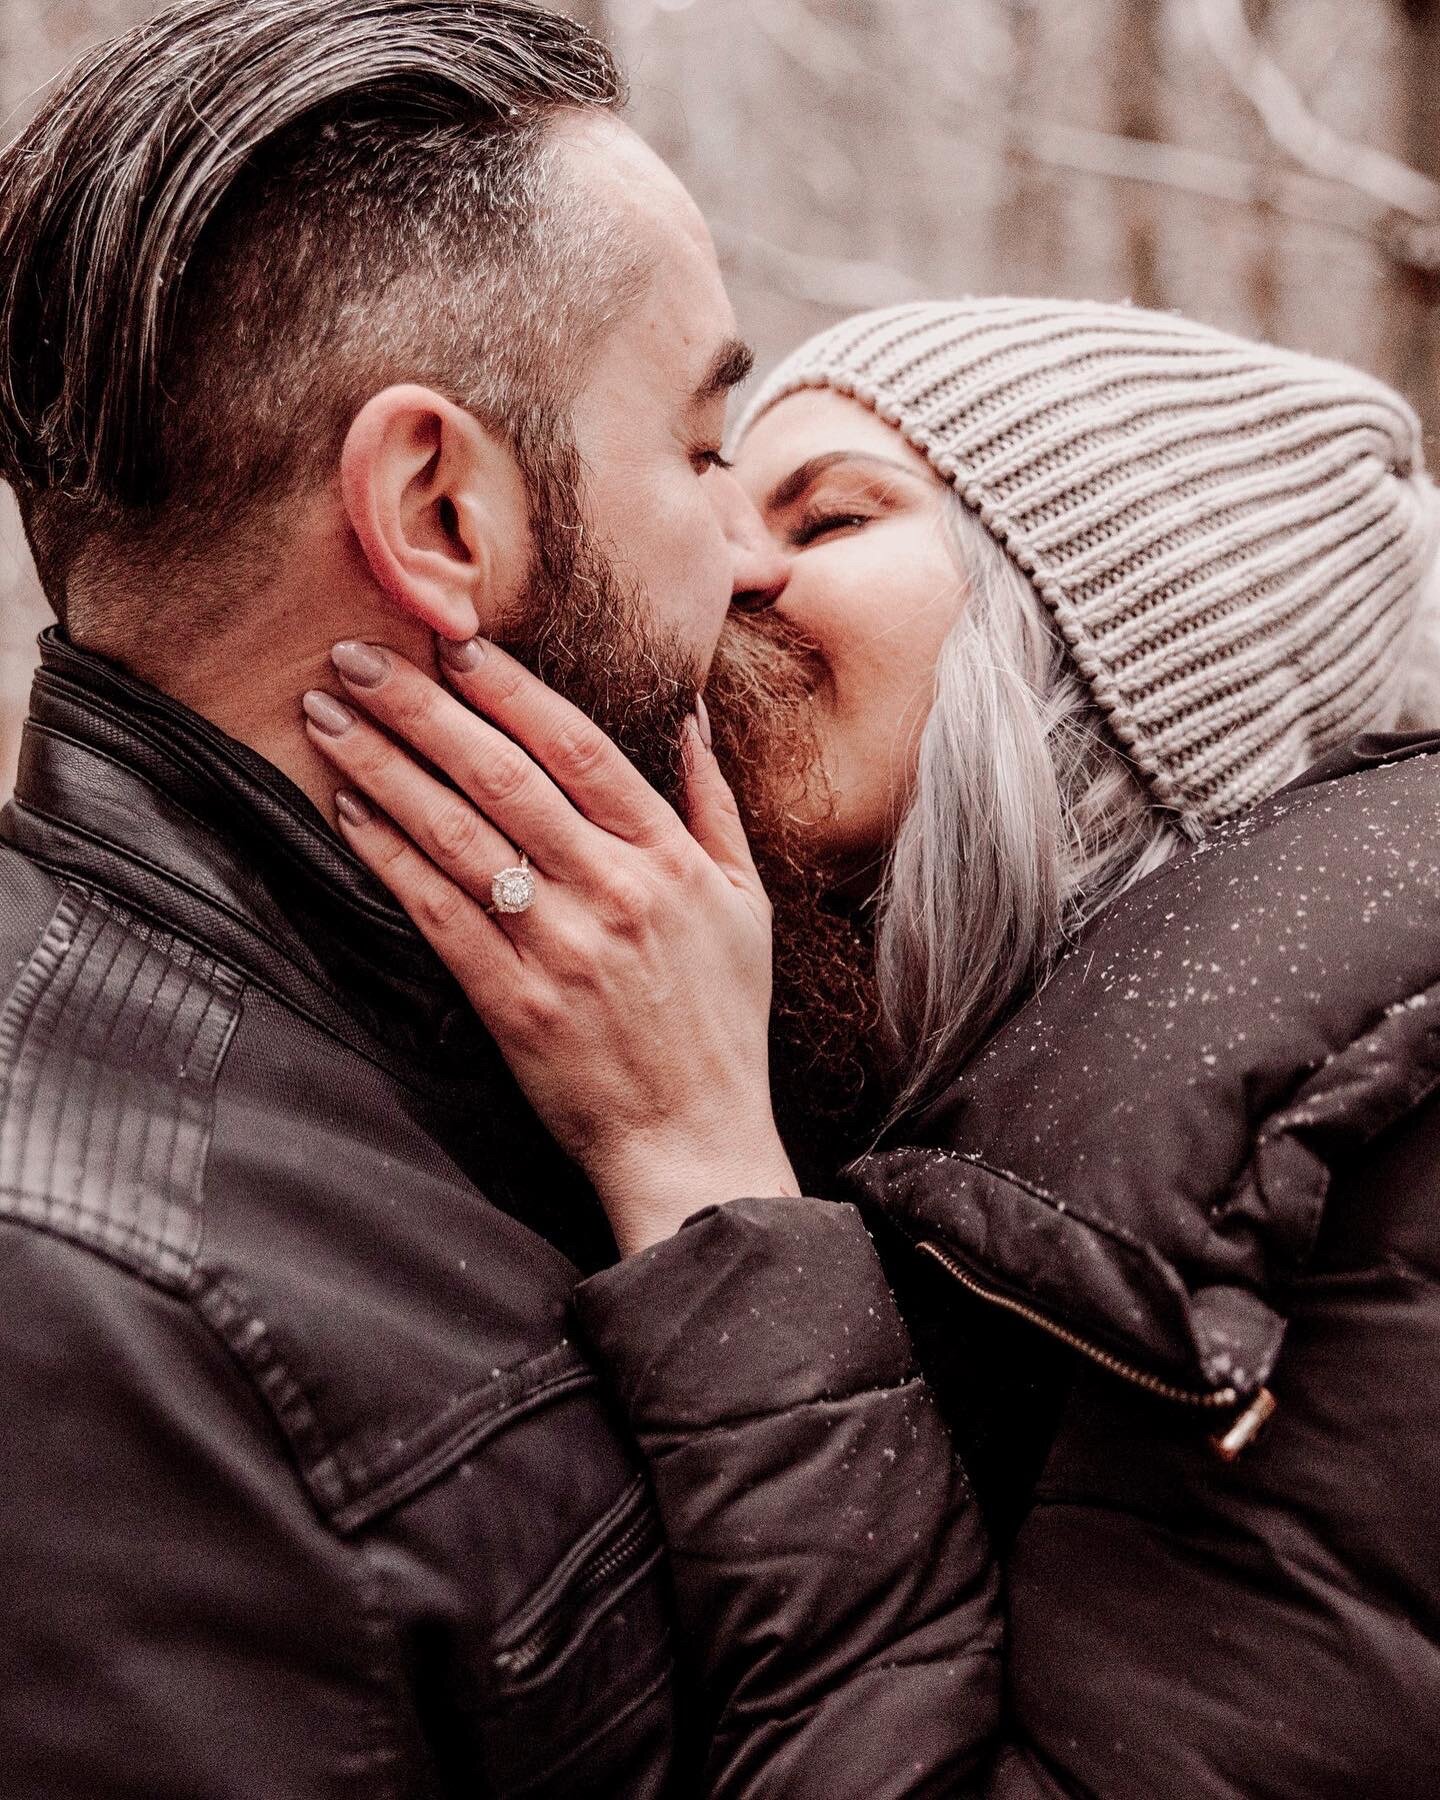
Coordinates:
131 793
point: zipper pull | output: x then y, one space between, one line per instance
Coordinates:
1243 1430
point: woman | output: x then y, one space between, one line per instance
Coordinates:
1132 577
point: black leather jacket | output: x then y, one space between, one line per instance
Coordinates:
310 1487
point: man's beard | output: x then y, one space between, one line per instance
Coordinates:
588 634
826 1061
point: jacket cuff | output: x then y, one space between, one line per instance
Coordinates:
753 1307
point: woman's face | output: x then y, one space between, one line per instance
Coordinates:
874 586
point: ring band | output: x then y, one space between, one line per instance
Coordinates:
513 890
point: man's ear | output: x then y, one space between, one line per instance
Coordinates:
438 506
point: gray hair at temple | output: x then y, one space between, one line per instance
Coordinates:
227 228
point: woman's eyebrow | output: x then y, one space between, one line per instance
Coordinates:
787 491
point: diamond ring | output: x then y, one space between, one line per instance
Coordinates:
513 890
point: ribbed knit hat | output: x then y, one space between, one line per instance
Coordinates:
1233 539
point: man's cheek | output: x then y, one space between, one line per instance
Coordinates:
691 563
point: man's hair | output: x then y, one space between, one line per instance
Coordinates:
229 227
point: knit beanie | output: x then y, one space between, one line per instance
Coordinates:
1233 539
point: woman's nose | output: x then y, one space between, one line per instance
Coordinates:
761 567
760 580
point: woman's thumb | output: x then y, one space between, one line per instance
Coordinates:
710 810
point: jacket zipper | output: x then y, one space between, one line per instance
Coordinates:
638 1538
1227 1444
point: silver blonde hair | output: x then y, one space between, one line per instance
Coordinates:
1026 818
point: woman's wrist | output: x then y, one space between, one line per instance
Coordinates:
658 1188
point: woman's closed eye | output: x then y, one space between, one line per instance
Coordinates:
825 523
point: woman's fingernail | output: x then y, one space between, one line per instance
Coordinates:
326 713
702 719
351 808
462 656
361 664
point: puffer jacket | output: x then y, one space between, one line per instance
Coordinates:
311 1486
1195 1178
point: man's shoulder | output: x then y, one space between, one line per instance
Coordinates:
196 1133
111 1039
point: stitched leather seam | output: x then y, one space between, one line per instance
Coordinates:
141 1256
385 1735
222 1306
347 1492
475 1416
545 1776
91 1229
129 1188
100 1010
227 1310
167 876
55 940
93 886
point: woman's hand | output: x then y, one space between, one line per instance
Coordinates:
632 998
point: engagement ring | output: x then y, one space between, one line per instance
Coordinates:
513 890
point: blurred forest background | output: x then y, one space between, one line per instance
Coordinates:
1272 166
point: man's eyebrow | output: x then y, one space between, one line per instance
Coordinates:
787 492
729 366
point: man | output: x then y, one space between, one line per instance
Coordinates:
366 319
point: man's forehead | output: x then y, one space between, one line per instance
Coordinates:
623 172
682 323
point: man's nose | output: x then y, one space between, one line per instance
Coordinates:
761 567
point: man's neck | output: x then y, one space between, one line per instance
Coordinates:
259 706
248 678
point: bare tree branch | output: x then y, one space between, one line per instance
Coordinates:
1306 194
835 282
1205 174
807 39
1407 201
1208 174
